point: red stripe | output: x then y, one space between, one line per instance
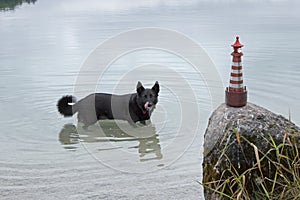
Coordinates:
236 75
236 59
236 82
236 68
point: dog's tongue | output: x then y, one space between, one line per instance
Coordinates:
146 105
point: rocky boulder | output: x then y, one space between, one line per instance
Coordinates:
240 145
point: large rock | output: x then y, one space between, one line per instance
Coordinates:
234 139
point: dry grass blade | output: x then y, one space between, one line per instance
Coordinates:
257 159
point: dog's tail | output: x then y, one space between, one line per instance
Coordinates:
64 107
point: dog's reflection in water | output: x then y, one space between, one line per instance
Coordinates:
114 131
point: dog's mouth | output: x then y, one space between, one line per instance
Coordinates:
149 106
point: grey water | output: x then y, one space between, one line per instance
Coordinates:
43 46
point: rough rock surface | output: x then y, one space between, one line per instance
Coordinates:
230 136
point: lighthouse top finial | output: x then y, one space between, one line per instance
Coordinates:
237 43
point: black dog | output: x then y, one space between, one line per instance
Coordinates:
130 107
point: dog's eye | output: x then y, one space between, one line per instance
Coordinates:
150 95
145 96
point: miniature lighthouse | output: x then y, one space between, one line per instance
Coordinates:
236 93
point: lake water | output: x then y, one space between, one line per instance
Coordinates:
44 48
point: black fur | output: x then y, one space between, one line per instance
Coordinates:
98 106
64 107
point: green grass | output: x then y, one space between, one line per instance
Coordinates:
274 175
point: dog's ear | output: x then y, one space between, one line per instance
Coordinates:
139 88
155 87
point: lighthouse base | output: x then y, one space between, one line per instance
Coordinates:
236 99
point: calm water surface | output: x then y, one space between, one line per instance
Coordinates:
43 46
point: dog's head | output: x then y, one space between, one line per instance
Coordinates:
147 98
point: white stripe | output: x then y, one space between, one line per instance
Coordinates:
236 78
236 85
237 64
236 71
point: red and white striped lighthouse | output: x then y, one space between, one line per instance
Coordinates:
236 93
